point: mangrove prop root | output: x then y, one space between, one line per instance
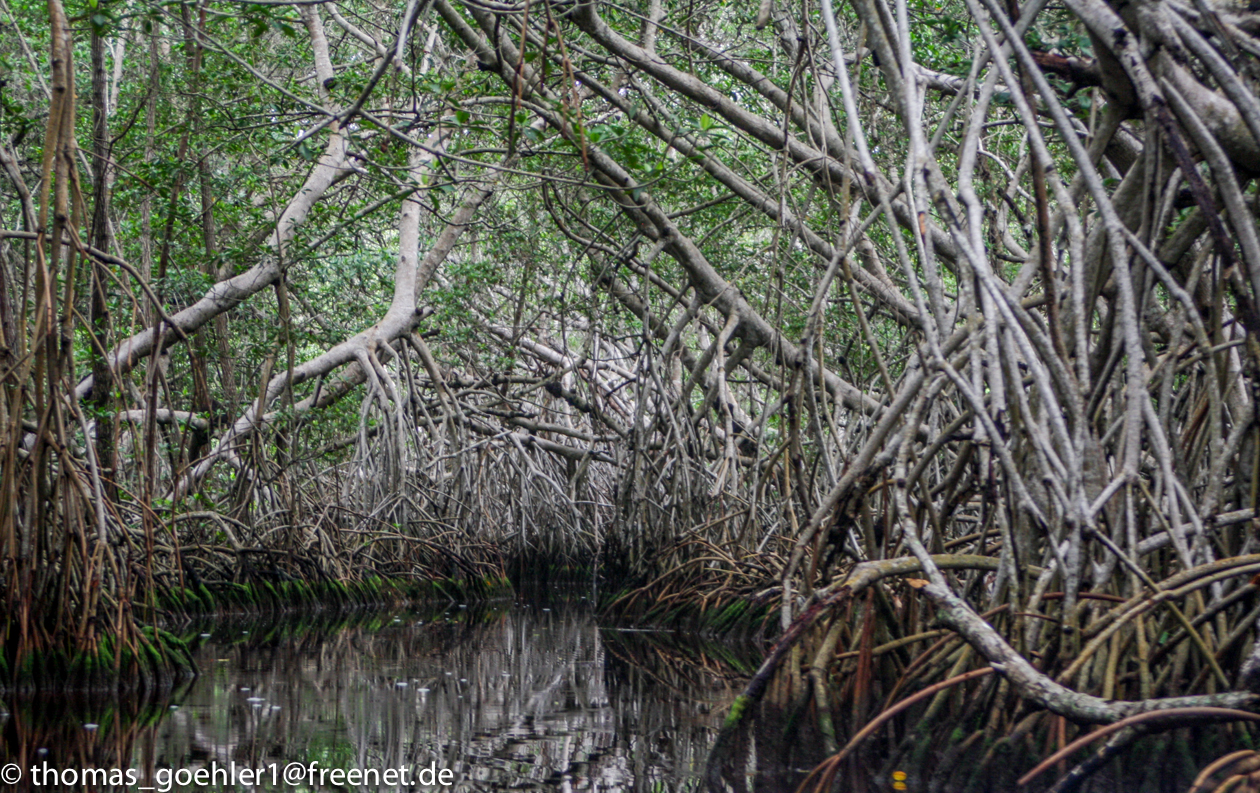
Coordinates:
1173 717
834 761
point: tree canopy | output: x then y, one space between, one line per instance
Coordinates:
717 300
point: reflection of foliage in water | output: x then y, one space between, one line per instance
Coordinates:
504 698
51 730
538 700
671 692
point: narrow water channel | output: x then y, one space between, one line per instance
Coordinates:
511 697
515 697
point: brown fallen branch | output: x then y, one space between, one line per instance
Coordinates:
1082 73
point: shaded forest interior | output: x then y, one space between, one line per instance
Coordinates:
919 335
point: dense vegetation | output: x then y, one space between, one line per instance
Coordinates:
747 310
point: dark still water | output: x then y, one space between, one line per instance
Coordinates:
511 698
507 698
